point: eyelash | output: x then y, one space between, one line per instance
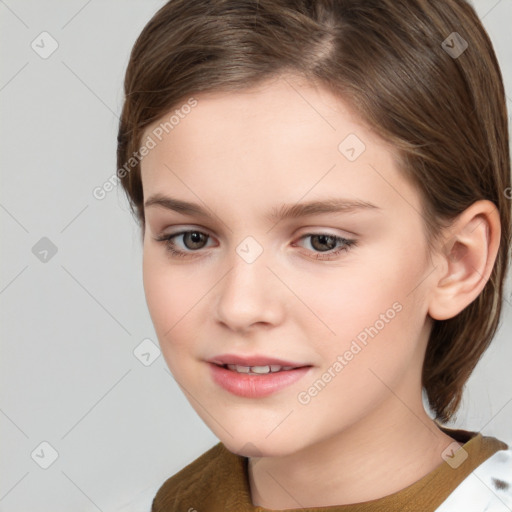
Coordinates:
173 252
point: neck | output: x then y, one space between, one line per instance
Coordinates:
378 456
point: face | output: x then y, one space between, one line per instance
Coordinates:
304 247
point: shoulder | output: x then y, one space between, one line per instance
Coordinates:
201 477
487 488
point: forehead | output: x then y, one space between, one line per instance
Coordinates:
261 112
282 138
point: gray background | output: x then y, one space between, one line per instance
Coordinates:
72 320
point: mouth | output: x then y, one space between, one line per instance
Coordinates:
258 363
259 369
255 377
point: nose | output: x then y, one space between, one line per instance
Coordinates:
250 294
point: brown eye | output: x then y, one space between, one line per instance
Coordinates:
326 246
185 243
323 242
194 239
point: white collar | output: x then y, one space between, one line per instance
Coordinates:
488 488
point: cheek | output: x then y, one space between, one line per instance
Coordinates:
375 312
349 300
170 294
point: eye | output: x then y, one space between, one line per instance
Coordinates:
324 245
192 241
328 245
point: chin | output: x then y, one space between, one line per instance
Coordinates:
258 446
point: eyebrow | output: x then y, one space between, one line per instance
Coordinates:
285 211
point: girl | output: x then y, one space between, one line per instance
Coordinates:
323 194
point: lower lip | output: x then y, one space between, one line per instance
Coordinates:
255 386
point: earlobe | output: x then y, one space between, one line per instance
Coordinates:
466 260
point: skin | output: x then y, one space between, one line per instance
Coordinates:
366 434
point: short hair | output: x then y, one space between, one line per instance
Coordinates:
422 74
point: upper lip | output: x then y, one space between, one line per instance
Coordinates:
255 360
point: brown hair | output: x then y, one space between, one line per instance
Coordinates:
445 113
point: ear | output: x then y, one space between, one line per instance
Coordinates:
465 262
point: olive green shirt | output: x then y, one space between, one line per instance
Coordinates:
218 481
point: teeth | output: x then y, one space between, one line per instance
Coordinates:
258 370
239 369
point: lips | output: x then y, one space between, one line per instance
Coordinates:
251 385
255 376
255 360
